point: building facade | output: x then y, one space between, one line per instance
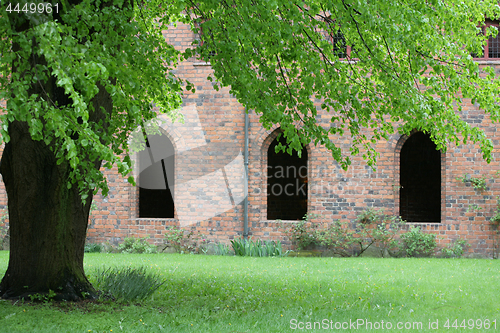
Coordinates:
193 175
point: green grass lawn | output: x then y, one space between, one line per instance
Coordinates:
245 294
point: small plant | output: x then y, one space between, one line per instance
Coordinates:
136 245
43 297
174 237
257 248
302 233
4 215
203 246
456 249
127 284
183 241
242 247
369 215
107 247
495 219
338 238
473 207
222 250
495 222
93 248
419 244
386 236
4 236
4 228
479 183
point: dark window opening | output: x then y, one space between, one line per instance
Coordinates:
420 172
286 183
156 178
341 47
339 44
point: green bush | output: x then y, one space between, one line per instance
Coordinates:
418 244
174 236
93 248
339 238
136 245
455 249
107 247
303 233
183 241
373 228
386 236
127 284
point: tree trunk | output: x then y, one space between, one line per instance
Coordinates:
48 222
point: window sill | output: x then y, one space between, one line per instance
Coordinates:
487 61
155 218
203 63
280 221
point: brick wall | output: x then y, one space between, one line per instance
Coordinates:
213 137
209 175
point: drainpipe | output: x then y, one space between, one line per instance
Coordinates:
245 201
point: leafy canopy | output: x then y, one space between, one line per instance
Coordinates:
409 66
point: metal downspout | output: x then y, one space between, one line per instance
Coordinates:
245 201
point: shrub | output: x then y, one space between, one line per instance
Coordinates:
456 249
93 248
373 229
302 233
174 237
136 245
107 247
386 236
182 240
418 244
338 238
127 284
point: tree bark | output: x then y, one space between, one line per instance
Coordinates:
48 222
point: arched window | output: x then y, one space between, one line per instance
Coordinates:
156 179
420 175
286 183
